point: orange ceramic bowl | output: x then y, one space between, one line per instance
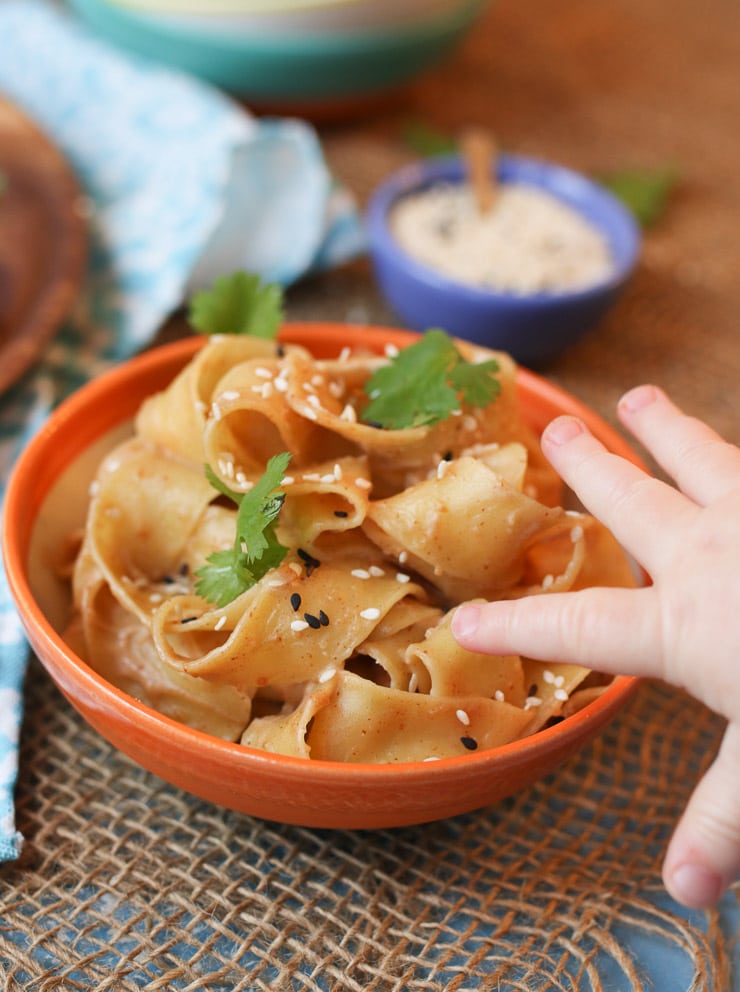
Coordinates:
311 793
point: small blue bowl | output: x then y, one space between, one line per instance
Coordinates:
533 328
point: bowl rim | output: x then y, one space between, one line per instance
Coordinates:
175 355
421 173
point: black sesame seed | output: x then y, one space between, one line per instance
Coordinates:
295 600
167 580
532 689
447 456
323 619
341 513
312 621
184 569
309 561
374 423
469 742
280 351
188 619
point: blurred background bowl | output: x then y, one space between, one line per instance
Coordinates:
47 499
533 328
301 60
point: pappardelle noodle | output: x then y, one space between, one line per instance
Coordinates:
340 648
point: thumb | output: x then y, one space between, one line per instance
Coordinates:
703 856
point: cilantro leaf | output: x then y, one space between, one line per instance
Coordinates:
257 550
238 304
425 382
428 141
645 193
476 382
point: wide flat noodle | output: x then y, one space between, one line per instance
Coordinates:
261 639
465 530
364 722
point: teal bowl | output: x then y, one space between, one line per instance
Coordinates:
286 71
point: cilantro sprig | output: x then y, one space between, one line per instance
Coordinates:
240 303
645 192
425 382
256 549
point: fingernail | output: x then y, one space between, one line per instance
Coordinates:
465 621
696 886
563 430
638 398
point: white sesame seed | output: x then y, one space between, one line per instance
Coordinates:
349 413
374 394
463 717
220 622
344 354
402 577
336 389
314 401
532 701
280 383
256 389
360 573
327 674
376 571
200 406
310 414
328 478
363 483
561 694
547 581
155 598
308 387
558 680
317 379
263 373
432 757
576 534
403 557
298 625
371 613
337 471
391 351
230 394
548 676
295 567
442 467
498 696
311 477
287 480
267 391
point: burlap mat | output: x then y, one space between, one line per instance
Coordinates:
126 883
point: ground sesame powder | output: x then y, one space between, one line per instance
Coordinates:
529 242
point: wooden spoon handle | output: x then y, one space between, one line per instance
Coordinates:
479 151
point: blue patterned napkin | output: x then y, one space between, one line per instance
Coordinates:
182 184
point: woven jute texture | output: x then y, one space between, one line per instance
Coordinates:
126 883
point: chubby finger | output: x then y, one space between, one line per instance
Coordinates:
638 509
703 856
585 627
704 466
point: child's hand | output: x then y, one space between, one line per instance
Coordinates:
685 628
